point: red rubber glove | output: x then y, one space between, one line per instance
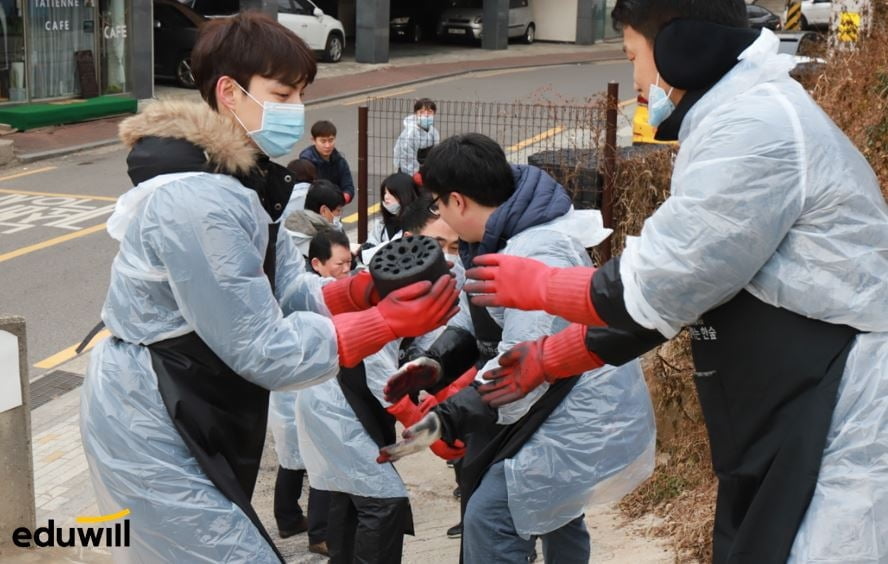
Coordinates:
409 414
523 283
447 452
407 312
527 365
414 376
354 293
467 378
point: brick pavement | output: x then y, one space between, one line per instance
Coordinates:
63 491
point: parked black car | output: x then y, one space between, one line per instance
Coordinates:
414 21
175 32
762 17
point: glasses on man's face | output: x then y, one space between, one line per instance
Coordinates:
433 207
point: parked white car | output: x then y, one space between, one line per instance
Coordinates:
815 13
464 20
323 33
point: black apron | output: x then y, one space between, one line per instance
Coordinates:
220 416
767 380
376 420
487 442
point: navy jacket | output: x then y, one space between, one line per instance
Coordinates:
538 199
335 170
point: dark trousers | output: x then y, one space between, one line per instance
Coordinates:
367 530
287 513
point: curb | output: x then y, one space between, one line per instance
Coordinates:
42 155
352 94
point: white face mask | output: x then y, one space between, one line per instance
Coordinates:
393 208
458 270
337 223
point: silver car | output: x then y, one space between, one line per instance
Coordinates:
464 20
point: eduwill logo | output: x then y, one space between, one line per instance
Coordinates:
116 535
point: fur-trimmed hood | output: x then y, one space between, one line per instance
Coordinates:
220 144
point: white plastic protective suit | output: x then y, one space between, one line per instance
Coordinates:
768 195
338 453
191 252
598 444
412 139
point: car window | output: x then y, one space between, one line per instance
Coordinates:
755 11
285 7
517 3
168 16
303 7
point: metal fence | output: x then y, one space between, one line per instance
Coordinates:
564 140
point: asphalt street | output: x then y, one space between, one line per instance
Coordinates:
55 255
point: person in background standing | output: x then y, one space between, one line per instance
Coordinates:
418 136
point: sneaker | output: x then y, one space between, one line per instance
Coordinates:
319 548
300 526
455 531
456 493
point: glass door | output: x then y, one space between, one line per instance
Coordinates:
58 29
12 52
114 24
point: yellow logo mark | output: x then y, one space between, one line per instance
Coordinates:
103 518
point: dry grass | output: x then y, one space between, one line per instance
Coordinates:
853 90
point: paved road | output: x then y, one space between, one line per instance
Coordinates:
55 255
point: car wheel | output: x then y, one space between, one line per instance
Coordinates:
417 33
184 76
804 23
333 51
530 34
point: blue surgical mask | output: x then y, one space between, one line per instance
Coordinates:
426 121
282 126
393 208
660 106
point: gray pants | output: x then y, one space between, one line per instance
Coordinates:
489 535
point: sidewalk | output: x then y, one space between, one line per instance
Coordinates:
335 82
63 491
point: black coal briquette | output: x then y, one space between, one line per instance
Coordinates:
407 260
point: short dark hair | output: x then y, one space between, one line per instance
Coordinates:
321 245
425 104
323 193
303 170
647 17
323 128
416 215
247 45
470 164
403 188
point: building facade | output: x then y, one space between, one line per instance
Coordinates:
60 49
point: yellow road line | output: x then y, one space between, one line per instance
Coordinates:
58 195
389 94
51 242
354 217
27 173
535 139
103 518
69 353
